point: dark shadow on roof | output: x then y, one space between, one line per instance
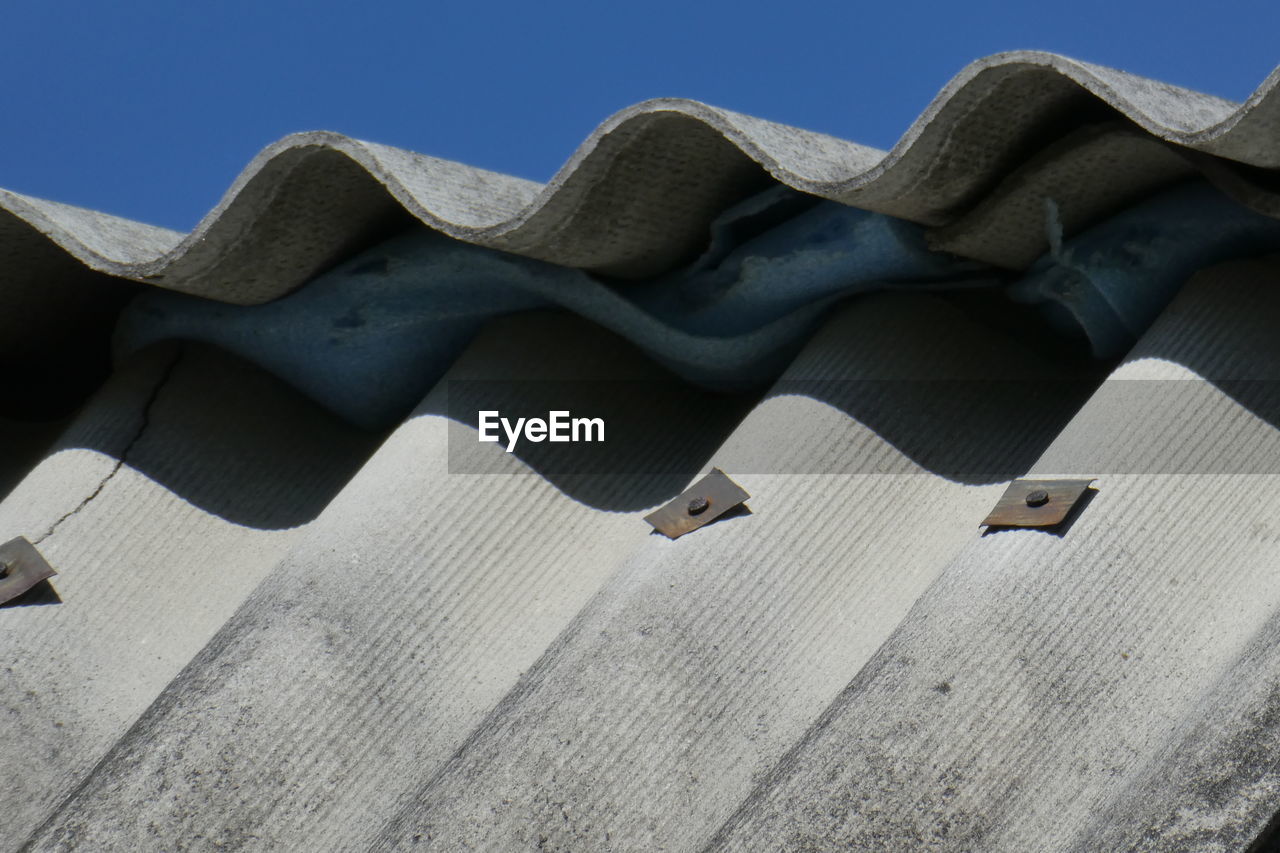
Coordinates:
945 384
221 434
659 431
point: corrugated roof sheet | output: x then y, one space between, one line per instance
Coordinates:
274 630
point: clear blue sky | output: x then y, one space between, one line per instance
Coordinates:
150 109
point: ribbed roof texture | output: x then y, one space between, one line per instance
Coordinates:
272 630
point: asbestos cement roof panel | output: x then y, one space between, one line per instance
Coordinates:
272 630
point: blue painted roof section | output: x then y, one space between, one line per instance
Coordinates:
1111 280
368 338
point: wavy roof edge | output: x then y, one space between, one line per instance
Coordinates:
635 197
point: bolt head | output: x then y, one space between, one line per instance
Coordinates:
698 505
1039 497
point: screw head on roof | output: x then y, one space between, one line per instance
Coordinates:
1037 498
698 505
4 570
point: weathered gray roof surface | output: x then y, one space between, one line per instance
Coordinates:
272 630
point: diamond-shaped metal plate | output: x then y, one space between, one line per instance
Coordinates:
1036 503
21 567
698 505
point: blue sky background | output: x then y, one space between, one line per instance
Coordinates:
149 109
